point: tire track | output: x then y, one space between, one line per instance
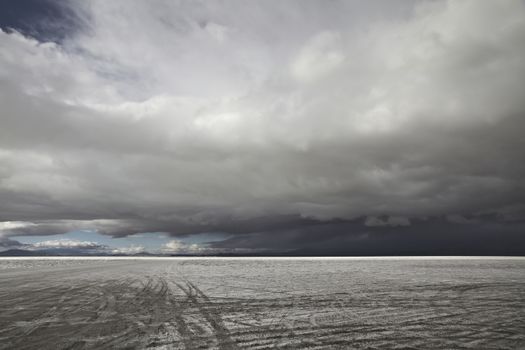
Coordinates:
94 331
139 306
178 322
133 314
210 314
48 317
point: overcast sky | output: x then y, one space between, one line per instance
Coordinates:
362 127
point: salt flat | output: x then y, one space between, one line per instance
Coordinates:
225 303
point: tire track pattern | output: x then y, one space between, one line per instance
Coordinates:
174 305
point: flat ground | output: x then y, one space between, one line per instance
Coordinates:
262 303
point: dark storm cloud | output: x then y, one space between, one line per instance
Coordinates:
189 117
41 19
9 243
435 236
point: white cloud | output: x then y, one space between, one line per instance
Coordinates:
219 32
319 57
173 245
11 225
133 249
176 246
67 243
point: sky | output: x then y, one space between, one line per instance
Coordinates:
290 127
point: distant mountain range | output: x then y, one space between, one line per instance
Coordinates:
296 253
20 252
62 252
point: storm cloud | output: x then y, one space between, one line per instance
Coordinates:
281 123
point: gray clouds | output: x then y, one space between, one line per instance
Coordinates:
187 117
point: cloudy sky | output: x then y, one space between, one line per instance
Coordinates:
318 127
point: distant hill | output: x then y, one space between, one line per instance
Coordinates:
63 252
21 252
